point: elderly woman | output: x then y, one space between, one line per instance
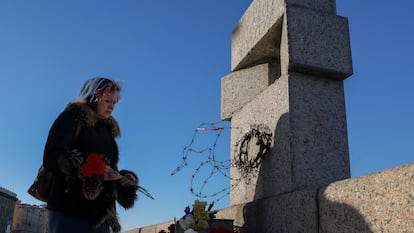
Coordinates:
82 154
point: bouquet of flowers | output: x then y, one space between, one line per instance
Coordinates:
94 171
94 165
197 220
91 174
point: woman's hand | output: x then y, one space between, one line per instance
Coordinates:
111 174
129 180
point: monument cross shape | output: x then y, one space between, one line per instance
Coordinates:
289 60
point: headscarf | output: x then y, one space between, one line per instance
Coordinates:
97 87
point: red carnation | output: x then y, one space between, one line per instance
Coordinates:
93 165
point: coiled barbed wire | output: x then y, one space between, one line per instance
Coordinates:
221 164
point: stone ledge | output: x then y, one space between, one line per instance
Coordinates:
291 212
378 202
240 87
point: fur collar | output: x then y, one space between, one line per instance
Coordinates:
87 116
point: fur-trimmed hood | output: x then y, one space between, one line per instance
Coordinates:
88 117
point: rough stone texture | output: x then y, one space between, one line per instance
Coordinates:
240 87
379 202
318 131
327 6
235 213
316 43
256 37
314 39
292 212
270 108
310 147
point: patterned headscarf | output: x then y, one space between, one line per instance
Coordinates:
95 88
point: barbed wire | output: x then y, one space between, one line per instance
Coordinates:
213 164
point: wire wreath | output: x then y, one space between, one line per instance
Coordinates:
249 156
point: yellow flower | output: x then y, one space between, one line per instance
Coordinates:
201 216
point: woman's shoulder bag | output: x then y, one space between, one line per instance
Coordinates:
40 188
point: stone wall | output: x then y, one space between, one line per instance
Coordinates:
378 202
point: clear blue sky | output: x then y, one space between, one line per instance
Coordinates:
171 56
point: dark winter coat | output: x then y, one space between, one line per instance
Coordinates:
95 136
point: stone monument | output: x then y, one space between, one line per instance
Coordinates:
289 60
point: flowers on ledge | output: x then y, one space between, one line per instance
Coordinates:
198 220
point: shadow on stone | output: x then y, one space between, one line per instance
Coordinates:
280 207
335 217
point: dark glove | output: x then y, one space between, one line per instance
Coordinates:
127 194
70 162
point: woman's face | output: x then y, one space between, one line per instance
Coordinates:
106 104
